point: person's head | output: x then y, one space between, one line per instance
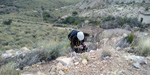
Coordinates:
80 36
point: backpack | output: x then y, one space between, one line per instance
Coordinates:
72 34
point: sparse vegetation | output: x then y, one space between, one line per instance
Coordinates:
108 18
130 38
9 69
73 20
143 46
20 35
47 50
105 53
118 22
95 22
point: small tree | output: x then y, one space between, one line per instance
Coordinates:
74 13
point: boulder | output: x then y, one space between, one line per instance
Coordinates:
127 27
122 43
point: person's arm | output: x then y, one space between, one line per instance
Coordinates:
78 47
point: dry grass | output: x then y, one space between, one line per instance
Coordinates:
106 50
47 51
144 46
8 69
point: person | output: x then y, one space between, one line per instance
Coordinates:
77 41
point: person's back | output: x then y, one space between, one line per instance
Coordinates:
77 41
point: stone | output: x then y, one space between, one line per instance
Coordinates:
76 59
11 51
65 61
53 73
138 59
61 72
122 43
43 62
59 66
118 48
40 73
127 27
25 49
84 62
6 55
39 63
92 50
3 56
27 74
53 68
26 68
92 47
137 65
76 63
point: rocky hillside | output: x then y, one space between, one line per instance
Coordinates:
86 4
114 56
106 60
33 37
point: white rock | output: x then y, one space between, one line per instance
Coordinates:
118 48
84 61
92 50
76 63
61 72
65 61
25 49
4 56
11 51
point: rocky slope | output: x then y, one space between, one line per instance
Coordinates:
107 60
103 3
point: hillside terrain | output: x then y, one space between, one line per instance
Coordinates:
34 37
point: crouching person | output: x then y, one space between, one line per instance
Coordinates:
77 41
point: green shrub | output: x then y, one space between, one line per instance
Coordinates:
118 22
53 49
47 50
144 46
8 69
46 16
74 13
7 22
130 38
73 20
94 22
108 18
